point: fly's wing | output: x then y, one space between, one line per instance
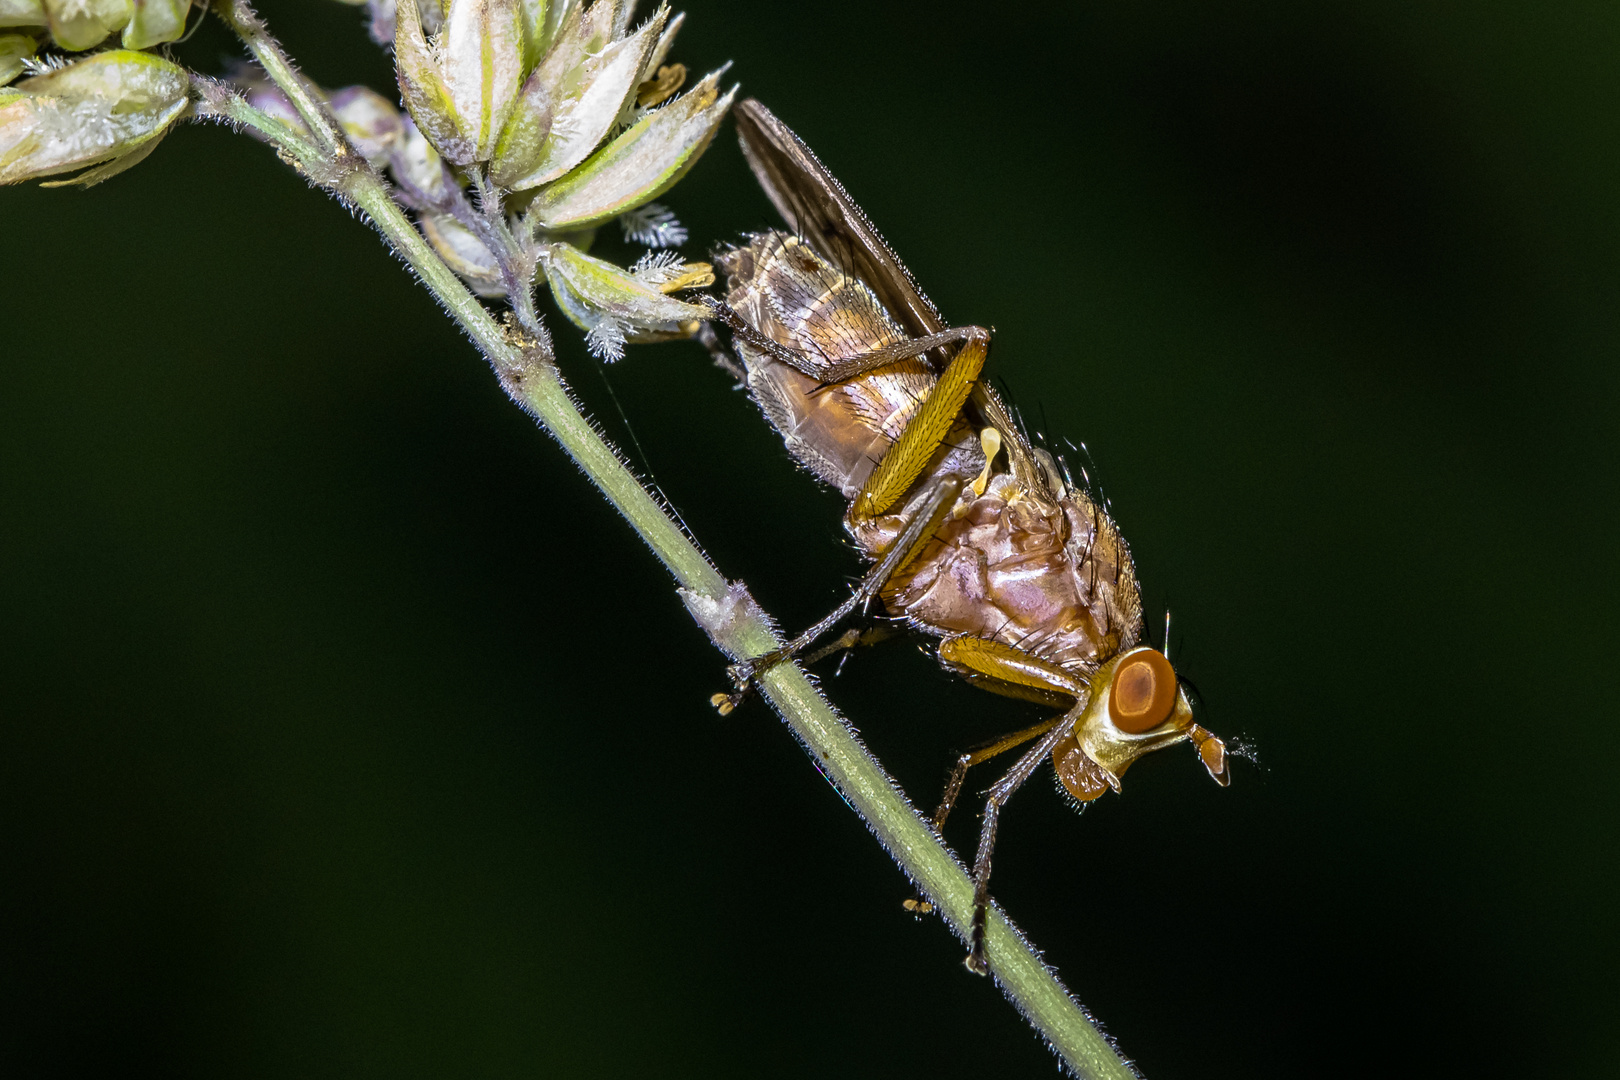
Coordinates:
816 206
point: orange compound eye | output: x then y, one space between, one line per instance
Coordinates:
1144 692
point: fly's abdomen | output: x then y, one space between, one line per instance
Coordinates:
788 293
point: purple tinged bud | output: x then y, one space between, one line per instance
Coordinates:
370 120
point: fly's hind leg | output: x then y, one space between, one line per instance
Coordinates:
930 512
845 643
850 640
902 464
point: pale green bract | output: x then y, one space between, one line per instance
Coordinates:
639 165
612 304
153 22
14 49
108 110
76 25
572 101
460 87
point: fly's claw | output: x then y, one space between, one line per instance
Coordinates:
918 906
742 677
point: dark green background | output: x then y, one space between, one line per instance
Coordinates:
345 731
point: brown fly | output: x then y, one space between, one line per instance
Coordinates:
976 536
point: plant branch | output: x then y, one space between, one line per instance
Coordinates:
221 102
522 360
241 18
516 258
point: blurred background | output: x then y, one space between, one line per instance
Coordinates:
345 731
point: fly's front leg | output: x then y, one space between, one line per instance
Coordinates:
977 756
953 787
841 370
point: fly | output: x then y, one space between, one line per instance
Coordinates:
976 537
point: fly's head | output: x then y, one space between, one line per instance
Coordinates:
1136 706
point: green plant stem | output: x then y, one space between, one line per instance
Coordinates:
223 103
523 363
245 22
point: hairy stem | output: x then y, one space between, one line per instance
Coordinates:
245 22
218 101
522 360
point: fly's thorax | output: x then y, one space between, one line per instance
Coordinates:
1136 706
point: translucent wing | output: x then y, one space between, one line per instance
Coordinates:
817 207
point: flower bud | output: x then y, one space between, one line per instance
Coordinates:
421 85
571 101
22 13
639 165
417 166
382 19
81 24
14 49
465 254
153 22
108 110
264 95
660 52
370 120
460 91
612 304
542 19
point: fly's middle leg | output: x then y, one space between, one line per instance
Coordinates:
1010 671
